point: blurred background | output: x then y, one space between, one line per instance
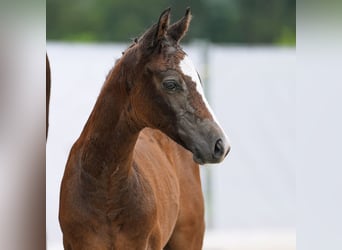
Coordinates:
219 21
245 53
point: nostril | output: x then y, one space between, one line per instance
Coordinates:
219 148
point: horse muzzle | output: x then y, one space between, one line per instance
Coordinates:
211 151
206 140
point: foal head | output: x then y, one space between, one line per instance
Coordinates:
165 91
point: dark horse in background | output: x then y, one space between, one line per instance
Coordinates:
132 177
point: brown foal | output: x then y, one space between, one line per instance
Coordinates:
132 177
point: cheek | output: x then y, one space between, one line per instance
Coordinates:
197 103
155 109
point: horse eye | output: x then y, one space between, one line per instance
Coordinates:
170 85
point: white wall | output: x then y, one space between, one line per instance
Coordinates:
253 92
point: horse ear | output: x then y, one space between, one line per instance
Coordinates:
178 30
162 26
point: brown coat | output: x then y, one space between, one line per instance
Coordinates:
127 184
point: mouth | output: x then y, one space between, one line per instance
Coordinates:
201 158
196 154
197 158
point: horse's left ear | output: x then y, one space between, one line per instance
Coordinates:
178 30
162 26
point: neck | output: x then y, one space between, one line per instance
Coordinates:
110 133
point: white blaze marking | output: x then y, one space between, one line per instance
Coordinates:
188 69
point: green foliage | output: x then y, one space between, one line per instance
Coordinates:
219 21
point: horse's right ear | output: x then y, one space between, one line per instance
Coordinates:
178 30
162 26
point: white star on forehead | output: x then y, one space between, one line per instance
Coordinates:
188 69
